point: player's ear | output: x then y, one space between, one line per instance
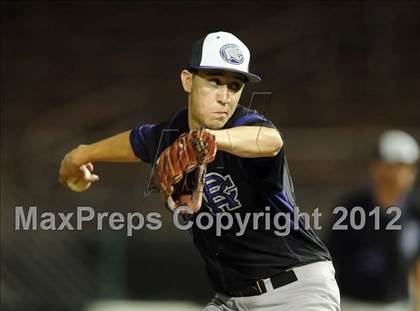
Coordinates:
186 79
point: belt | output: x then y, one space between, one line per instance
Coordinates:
264 285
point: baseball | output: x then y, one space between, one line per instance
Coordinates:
77 184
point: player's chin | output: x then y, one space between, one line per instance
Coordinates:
216 124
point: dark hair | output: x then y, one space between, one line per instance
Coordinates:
192 70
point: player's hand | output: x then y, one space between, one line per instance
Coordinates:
74 174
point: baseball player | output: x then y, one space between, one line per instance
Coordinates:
244 172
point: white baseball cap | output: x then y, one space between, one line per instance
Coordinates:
224 51
398 146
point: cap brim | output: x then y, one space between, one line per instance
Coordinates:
250 77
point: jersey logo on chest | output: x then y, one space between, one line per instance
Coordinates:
220 193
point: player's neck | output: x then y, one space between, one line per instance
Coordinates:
192 123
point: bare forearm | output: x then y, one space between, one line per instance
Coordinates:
113 149
249 141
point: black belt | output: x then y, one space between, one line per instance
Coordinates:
259 287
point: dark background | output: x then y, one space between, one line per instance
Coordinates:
76 72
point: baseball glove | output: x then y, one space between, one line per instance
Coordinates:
179 171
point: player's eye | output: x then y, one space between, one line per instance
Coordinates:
235 87
215 82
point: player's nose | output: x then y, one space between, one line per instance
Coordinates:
223 94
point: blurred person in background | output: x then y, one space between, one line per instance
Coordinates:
373 265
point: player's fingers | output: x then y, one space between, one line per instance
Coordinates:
63 177
89 166
87 175
85 171
93 178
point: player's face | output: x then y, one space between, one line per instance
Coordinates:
213 98
396 175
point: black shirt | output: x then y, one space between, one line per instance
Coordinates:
240 186
373 264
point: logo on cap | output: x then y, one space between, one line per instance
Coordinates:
232 54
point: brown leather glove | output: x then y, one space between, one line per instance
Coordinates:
180 169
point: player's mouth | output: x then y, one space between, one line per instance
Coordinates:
220 113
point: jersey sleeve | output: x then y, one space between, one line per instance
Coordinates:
249 117
143 140
272 172
149 140
253 119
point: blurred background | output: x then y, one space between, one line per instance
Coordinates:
76 72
